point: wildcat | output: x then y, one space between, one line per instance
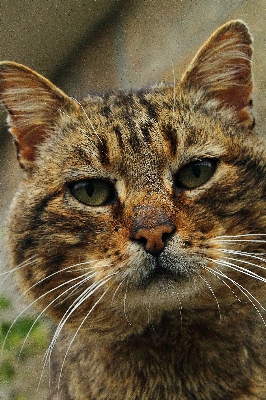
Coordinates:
140 228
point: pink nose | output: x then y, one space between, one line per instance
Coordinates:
151 226
153 237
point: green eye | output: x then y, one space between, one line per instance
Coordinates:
196 174
93 192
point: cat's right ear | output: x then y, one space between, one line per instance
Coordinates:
221 72
34 105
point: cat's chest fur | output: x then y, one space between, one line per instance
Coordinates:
199 365
139 227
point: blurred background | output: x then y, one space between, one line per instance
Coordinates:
93 46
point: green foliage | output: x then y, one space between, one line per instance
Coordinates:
19 341
4 303
7 371
12 335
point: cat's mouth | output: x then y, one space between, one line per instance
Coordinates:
165 270
161 276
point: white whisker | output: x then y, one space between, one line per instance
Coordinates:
118 287
71 309
243 240
245 254
89 120
180 310
150 323
124 306
243 290
243 270
174 94
223 281
243 235
214 295
249 296
24 264
35 301
77 285
81 324
46 357
244 262
71 267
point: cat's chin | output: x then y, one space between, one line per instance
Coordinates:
165 291
174 265
163 278
137 310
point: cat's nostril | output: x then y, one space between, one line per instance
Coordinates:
153 238
151 227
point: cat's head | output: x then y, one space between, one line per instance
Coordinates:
139 203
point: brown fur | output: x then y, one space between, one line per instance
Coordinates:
163 314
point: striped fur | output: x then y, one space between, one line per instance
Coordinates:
158 293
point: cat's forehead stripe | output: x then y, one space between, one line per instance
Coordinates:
130 118
136 118
104 151
170 134
152 112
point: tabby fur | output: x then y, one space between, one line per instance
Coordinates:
158 293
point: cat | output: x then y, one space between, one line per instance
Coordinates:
140 228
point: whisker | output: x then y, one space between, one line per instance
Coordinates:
249 297
243 240
120 284
180 310
246 254
77 302
24 264
76 333
174 94
62 323
92 267
124 305
243 235
55 273
214 295
77 285
89 120
87 292
243 270
225 283
32 303
150 323
243 290
46 357
245 262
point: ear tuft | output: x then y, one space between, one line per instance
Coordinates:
221 70
33 105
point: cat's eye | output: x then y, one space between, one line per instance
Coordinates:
93 192
195 174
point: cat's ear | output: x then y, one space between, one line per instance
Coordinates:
33 105
221 71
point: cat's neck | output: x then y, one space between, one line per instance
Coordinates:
179 353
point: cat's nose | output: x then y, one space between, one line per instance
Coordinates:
154 238
151 227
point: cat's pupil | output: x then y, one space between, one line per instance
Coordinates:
89 188
196 169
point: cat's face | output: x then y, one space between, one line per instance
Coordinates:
133 204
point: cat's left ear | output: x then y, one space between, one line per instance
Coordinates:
221 72
34 106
